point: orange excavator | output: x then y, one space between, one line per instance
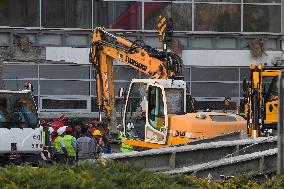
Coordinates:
155 112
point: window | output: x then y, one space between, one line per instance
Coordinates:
64 104
19 13
135 118
262 18
175 100
67 13
156 115
181 14
17 110
217 17
118 14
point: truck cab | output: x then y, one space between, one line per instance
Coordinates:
20 132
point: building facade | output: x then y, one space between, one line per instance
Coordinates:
47 42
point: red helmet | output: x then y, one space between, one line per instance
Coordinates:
93 129
68 130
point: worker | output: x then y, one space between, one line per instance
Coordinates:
86 146
97 136
70 145
60 152
124 147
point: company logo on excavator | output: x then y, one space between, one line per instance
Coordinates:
135 63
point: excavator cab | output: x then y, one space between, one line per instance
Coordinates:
148 104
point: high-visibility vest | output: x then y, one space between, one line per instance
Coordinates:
68 145
57 146
124 147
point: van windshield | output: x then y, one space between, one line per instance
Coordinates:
17 110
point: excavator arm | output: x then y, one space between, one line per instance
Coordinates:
106 47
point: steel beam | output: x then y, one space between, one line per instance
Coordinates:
195 41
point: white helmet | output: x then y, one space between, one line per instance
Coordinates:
61 130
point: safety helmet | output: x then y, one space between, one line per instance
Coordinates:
51 130
68 130
97 133
61 130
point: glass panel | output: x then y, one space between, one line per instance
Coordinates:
214 17
67 13
156 114
4 13
245 73
64 88
215 74
118 14
64 72
262 18
135 117
94 88
125 73
20 13
94 105
118 85
64 104
214 105
175 97
17 110
181 15
186 74
16 85
232 1
19 71
215 89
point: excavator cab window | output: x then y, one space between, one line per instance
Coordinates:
135 118
175 97
270 88
156 114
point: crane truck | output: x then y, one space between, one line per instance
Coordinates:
20 132
155 112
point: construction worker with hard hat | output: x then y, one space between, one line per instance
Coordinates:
97 136
70 145
125 147
60 152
